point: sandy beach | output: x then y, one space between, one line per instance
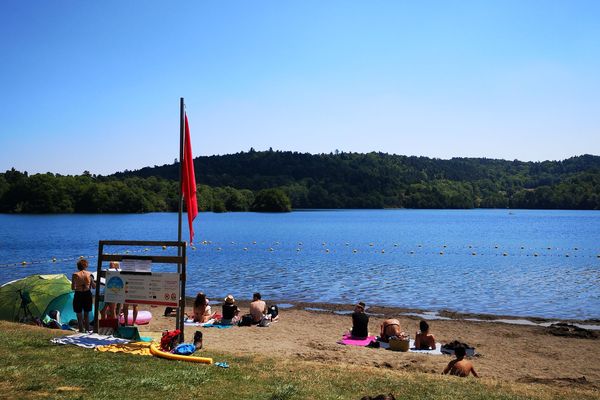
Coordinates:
506 352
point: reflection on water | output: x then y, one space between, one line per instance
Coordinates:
530 263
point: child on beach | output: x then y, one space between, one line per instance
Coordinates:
82 282
460 366
423 339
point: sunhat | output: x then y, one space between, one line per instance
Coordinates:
361 304
229 299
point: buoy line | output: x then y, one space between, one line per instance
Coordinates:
441 251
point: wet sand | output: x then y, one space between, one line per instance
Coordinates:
507 352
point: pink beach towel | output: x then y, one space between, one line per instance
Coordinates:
349 341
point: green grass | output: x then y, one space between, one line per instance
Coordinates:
31 367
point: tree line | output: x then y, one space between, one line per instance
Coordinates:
278 181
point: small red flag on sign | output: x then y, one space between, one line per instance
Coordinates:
188 184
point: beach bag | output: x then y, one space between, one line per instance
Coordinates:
246 320
399 343
169 339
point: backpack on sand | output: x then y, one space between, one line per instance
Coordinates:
169 340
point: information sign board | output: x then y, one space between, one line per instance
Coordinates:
142 288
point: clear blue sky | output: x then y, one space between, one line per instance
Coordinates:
96 85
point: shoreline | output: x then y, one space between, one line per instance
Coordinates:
417 314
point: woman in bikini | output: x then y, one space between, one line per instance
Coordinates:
202 311
423 339
389 328
82 282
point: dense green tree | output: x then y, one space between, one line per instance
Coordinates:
271 200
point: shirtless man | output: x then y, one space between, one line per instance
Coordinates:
460 366
258 308
389 328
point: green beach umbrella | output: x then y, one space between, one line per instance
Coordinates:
29 297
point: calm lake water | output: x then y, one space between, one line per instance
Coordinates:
519 262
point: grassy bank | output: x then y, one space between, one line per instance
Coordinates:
31 367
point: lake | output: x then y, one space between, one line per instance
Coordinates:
518 262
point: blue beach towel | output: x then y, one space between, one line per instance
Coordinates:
185 349
88 340
219 326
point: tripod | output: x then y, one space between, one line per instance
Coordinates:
24 308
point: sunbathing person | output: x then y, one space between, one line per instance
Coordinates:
231 312
202 311
258 308
460 366
423 339
389 328
360 322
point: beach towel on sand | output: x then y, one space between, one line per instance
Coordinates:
88 340
349 341
210 324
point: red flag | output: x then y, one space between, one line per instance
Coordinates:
188 184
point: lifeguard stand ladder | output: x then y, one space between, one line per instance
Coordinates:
180 260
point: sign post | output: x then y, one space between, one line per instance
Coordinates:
137 284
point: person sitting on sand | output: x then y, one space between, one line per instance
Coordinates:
389 328
460 366
82 282
258 308
360 322
202 311
231 313
423 339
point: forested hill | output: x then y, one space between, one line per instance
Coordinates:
378 180
279 181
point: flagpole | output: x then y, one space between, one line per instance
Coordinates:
180 312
